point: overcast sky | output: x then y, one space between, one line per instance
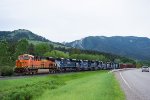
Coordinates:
68 20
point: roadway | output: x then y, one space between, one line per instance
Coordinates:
135 84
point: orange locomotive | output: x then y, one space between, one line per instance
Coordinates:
29 64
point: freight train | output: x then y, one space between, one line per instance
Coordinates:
29 64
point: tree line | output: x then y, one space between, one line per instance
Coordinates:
10 50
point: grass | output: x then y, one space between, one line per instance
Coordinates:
95 85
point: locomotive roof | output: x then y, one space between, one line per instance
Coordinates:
27 55
77 60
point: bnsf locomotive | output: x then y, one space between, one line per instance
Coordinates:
29 64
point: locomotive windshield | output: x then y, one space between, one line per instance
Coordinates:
24 57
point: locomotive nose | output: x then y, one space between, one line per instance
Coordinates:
19 63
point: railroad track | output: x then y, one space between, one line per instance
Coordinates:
16 76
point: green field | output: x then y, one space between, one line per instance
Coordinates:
95 85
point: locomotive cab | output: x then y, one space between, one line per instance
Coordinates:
24 60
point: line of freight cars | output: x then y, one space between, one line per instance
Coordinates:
29 64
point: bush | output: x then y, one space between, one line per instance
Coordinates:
20 95
6 70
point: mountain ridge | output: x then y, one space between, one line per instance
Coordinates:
24 33
19 34
129 46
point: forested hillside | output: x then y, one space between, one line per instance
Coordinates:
129 46
14 36
19 34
